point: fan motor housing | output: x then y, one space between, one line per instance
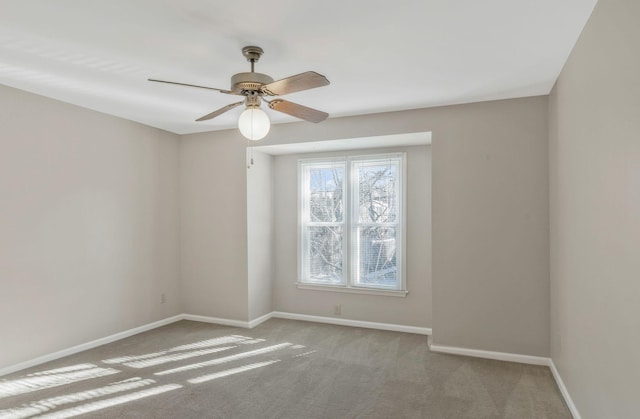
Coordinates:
249 81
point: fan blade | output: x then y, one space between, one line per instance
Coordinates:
219 111
302 81
299 111
229 92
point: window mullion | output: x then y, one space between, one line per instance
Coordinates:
353 225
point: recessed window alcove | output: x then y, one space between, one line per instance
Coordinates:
273 237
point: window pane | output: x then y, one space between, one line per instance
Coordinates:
376 254
325 194
377 201
325 254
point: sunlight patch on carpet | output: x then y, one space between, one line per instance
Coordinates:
231 371
225 359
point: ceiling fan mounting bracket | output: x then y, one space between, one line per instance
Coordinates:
252 53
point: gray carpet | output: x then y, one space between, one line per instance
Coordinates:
280 369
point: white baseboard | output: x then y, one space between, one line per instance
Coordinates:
353 323
88 345
228 322
216 320
305 317
500 356
253 323
563 390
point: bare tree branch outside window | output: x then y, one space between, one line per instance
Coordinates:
377 208
326 206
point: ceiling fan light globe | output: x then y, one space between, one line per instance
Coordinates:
254 124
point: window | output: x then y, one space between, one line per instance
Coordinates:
351 222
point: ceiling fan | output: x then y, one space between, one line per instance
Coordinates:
254 123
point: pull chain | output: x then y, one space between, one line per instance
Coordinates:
250 155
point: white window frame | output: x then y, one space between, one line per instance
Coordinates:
350 191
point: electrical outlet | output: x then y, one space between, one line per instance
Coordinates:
337 309
163 298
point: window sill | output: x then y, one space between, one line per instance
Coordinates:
352 290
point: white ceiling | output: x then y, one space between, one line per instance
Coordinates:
378 55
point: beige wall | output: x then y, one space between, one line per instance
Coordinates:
595 215
490 226
260 237
415 309
213 225
88 225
